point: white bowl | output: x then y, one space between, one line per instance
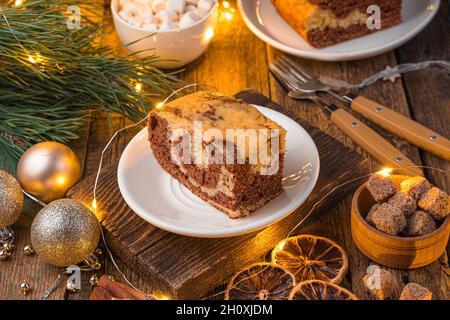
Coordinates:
175 48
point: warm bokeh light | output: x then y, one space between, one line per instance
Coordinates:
61 180
94 204
208 34
159 105
280 246
228 16
386 172
18 2
138 87
37 58
31 59
225 4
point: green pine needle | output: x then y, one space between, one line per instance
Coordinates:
51 76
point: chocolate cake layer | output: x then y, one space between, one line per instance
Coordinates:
326 22
236 189
341 8
330 36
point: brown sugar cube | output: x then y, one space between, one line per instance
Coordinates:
419 224
381 187
413 291
371 211
415 186
379 283
389 219
436 202
404 202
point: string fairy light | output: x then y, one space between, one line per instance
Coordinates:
281 245
138 86
94 203
228 11
386 172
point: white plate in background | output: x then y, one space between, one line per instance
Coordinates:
162 201
264 21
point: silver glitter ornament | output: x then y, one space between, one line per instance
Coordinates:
11 199
65 232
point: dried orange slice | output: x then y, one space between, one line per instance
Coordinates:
320 290
311 257
261 281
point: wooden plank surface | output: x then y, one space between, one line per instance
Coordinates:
188 268
236 60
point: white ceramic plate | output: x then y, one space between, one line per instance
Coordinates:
265 22
162 201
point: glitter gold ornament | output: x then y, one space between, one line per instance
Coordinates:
65 232
47 170
11 199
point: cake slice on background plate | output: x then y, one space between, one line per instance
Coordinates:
327 22
235 163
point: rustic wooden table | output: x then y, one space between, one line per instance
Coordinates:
237 60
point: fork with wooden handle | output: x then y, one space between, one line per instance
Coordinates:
360 133
384 117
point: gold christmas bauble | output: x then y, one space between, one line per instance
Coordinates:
65 232
47 170
11 199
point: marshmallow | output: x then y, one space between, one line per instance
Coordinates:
173 15
188 19
125 15
191 8
204 5
150 26
176 5
146 15
158 5
153 15
167 15
131 7
143 2
168 25
135 22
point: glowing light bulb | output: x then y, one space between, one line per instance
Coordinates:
225 4
208 34
138 87
159 105
281 245
31 59
386 172
37 58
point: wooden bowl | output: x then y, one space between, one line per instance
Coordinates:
394 251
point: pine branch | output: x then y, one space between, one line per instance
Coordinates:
51 77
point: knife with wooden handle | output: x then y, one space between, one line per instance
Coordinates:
374 144
402 126
366 138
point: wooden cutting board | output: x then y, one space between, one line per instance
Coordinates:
189 268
